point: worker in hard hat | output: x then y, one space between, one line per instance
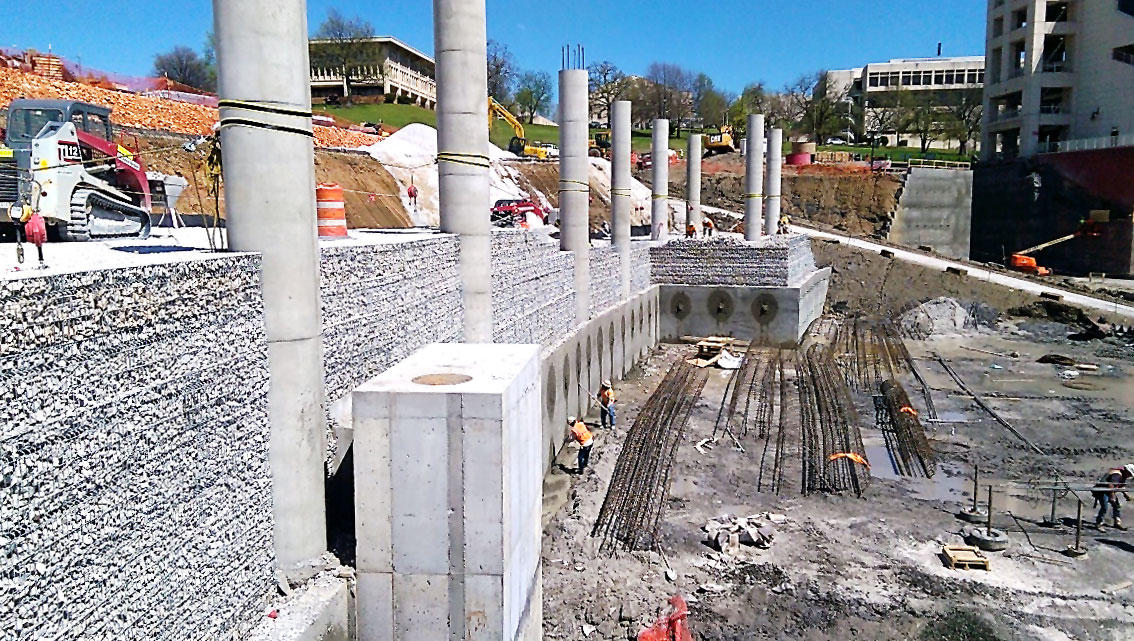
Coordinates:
1106 494
606 404
785 225
584 438
707 227
690 230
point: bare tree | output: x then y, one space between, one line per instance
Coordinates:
501 72
607 85
345 44
817 106
183 65
922 116
670 93
533 93
966 114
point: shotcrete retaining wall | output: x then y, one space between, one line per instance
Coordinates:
935 211
133 453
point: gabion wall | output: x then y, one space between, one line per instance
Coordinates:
606 281
777 261
533 289
382 302
134 489
640 266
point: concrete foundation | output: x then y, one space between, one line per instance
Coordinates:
448 494
659 212
935 210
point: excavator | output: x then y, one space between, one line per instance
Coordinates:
519 143
1022 261
600 145
59 159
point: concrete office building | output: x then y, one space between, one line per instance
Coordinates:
875 86
1060 76
388 67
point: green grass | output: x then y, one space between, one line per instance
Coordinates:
392 115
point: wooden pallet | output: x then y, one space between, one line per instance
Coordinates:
964 557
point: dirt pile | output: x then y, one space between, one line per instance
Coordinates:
142 112
939 317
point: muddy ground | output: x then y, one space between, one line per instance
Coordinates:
869 568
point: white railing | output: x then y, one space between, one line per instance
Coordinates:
397 75
939 164
1087 144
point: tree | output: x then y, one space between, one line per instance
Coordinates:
922 116
607 85
713 108
183 65
818 107
501 72
345 44
966 114
210 57
669 93
533 93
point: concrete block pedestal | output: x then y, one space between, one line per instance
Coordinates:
448 469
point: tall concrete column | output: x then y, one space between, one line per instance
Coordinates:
693 182
459 36
620 180
269 190
774 186
659 212
574 182
754 178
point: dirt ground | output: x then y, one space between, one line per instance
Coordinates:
855 202
371 200
869 568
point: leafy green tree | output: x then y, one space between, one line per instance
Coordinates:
345 44
533 94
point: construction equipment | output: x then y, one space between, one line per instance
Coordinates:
519 143
721 142
600 145
59 160
1021 261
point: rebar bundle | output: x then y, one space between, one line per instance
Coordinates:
632 509
905 437
832 454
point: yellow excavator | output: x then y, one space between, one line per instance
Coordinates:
721 142
519 143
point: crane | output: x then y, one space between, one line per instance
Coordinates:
519 143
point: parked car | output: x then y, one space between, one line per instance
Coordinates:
515 213
645 161
837 141
552 149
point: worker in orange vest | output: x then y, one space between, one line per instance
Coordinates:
584 438
707 227
606 403
690 230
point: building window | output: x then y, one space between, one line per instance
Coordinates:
1126 6
974 76
874 80
951 77
939 77
906 81
997 27
1125 54
1057 11
1019 19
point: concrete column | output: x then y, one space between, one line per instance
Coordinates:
620 180
574 183
269 185
448 492
459 36
693 182
754 178
774 186
659 213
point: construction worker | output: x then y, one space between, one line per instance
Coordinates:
584 438
784 227
606 403
1106 494
690 230
707 227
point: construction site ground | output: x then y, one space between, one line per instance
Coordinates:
844 567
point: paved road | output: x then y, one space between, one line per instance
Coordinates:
1000 278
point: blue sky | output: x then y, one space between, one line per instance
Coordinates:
735 41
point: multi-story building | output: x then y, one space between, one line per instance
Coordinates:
875 87
1060 76
387 67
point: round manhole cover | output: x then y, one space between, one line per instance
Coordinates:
442 379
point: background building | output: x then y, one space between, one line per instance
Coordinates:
1060 76
381 66
876 88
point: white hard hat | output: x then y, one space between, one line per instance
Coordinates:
606 383
1129 467
571 420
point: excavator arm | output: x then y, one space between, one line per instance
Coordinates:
1049 243
496 109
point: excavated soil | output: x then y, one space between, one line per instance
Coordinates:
371 197
842 199
842 567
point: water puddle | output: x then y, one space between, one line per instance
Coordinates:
948 483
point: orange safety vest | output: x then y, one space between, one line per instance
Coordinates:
606 396
708 224
581 433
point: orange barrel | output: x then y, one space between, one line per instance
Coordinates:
331 210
